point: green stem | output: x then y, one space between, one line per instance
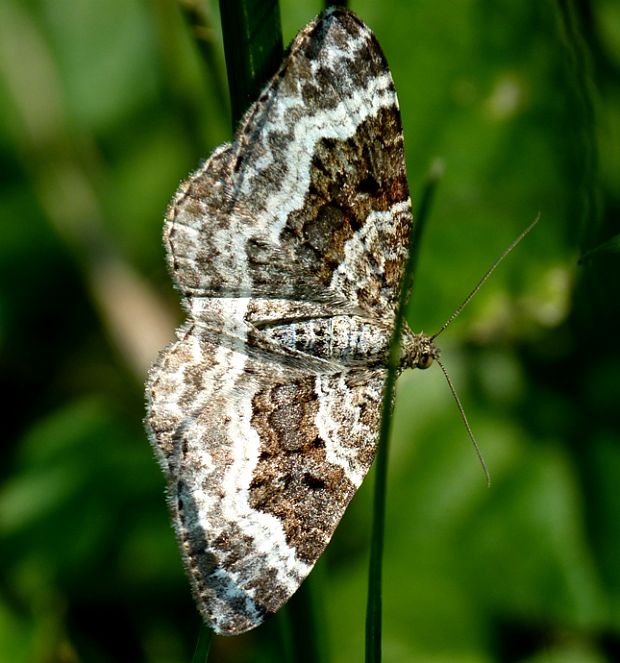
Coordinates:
375 571
201 653
252 47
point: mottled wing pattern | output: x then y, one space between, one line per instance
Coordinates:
311 201
305 215
262 462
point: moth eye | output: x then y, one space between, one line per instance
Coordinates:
425 360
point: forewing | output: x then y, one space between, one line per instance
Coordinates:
310 202
261 461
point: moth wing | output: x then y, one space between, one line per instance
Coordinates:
261 461
310 202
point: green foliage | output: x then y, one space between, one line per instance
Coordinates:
104 107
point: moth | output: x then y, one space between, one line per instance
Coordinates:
288 247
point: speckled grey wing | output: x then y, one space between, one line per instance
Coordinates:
261 462
310 202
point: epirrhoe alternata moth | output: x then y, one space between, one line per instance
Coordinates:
288 246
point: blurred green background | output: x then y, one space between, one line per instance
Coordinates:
104 108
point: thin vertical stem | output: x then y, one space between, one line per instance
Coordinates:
252 47
375 570
203 646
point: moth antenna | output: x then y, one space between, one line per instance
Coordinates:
485 469
481 282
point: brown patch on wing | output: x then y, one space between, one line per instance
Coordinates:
293 479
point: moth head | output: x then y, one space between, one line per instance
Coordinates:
427 352
418 350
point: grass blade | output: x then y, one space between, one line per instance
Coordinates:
201 653
252 47
375 570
